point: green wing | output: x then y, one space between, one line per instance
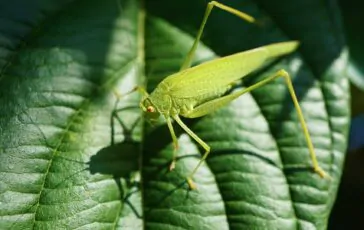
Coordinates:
211 76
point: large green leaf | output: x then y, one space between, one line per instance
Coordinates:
75 156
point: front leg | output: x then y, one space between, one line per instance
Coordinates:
190 182
175 142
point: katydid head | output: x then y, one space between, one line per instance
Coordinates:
150 111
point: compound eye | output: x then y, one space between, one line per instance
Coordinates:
150 109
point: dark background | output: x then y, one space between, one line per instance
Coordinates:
348 210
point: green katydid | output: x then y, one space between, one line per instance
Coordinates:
197 91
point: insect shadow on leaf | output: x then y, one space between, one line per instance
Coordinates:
120 158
